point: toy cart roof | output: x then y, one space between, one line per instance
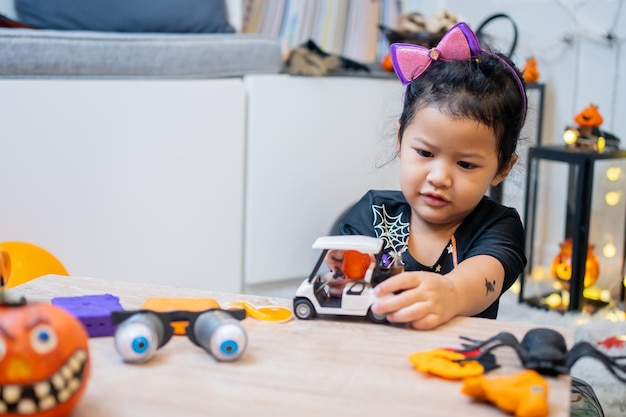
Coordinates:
364 244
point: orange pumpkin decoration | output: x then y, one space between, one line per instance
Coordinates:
386 63
44 360
530 73
589 117
562 264
355 264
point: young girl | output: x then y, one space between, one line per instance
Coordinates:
463 111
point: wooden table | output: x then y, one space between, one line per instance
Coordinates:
315 367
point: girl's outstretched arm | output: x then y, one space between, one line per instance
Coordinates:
427 299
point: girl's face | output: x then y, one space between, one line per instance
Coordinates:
446 166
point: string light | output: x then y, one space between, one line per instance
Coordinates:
612 198
609 250
570 136
539 273
613 173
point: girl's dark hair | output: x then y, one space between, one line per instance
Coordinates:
482 89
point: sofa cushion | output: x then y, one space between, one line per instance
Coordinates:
171 16
50 53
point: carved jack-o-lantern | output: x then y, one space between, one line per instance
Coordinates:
44 360
562 264
589 117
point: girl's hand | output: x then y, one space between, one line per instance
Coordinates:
424 299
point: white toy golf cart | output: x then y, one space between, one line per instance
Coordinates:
355 298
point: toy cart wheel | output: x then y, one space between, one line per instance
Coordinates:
376 318
303 309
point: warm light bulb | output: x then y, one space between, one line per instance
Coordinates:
553 300
612 198
570 136
609 250
601 143
613 173
539 273
592 293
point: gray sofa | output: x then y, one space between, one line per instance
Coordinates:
27 53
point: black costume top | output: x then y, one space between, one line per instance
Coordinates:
491 229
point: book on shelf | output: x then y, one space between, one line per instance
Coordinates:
306 26
253 14
340 27
319 21
273 18
292 20
390 17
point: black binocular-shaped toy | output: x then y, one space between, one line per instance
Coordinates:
141 332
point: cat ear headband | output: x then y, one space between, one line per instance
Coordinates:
458 44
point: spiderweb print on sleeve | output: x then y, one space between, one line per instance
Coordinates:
391 229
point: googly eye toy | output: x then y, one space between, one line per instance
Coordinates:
141 333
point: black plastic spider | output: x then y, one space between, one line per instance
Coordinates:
545 351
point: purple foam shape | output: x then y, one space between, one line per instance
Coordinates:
93 311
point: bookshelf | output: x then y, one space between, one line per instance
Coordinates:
341 27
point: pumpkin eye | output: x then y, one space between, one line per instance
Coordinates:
43 338
136 341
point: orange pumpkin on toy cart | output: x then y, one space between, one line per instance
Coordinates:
44 360
562 265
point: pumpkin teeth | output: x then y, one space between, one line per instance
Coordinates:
44 395
57 380
11 393
42 389
47 403
26 406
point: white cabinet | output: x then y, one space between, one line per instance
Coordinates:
314 146
194 183
127 180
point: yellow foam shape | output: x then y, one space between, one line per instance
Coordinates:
445 363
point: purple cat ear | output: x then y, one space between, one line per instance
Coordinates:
410 61
458 44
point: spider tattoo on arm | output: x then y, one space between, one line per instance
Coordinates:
545 351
